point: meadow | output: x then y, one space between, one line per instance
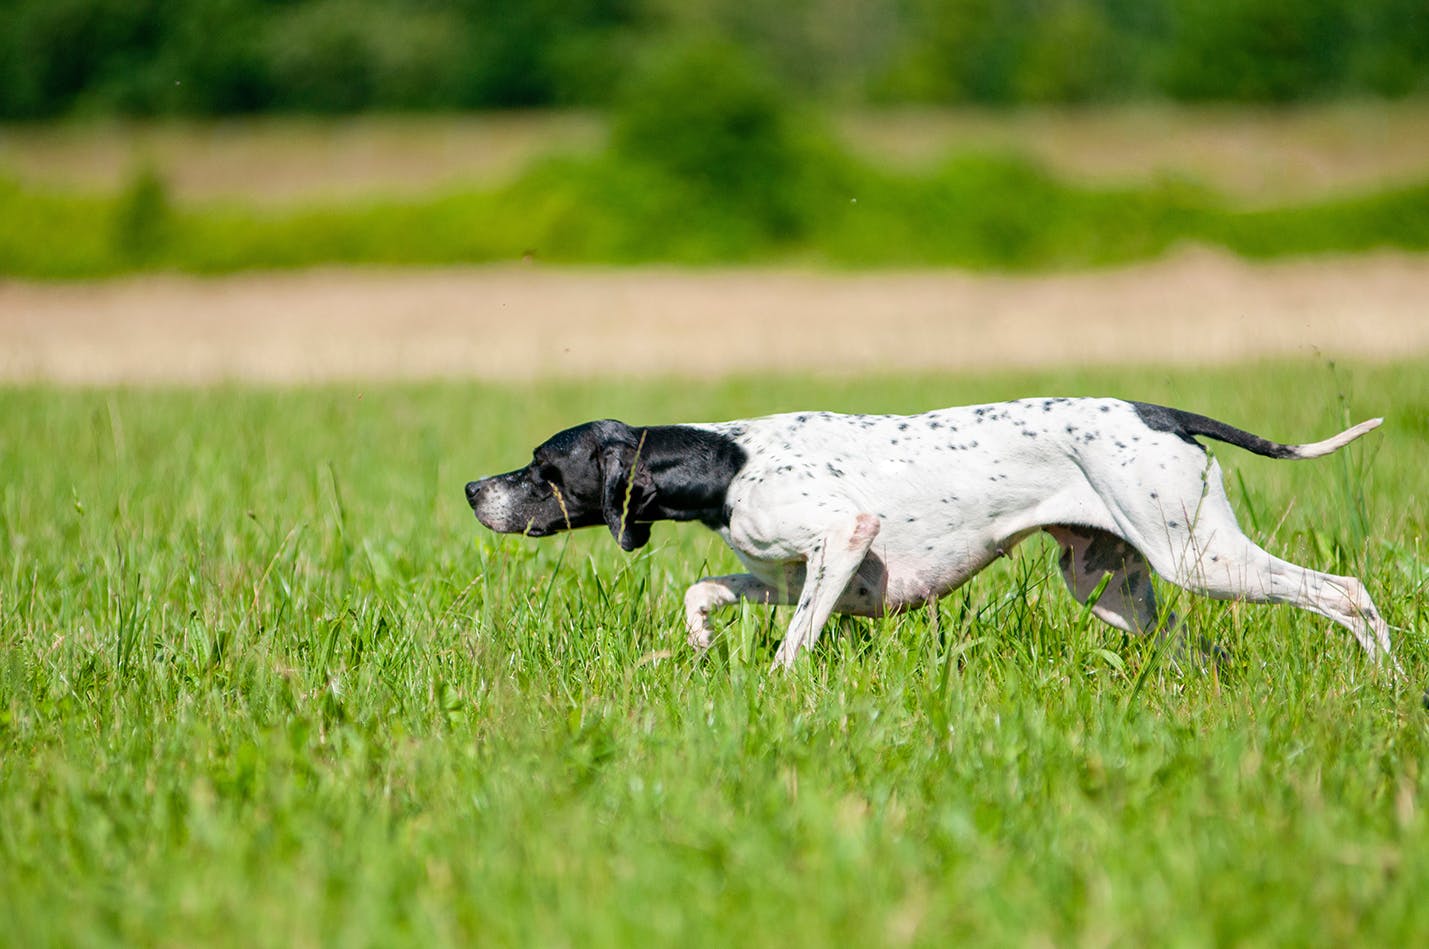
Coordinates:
264 681
749 178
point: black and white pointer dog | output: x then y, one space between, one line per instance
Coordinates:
869 514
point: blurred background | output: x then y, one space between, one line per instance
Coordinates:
1063 158
231 57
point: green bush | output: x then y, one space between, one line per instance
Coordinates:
704 117
142 218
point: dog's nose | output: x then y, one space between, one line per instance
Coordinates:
473 488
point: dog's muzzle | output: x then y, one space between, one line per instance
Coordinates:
492 502
481 498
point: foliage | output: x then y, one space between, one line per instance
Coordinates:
142 216
704 119
213 57
710 161
310 701
987 211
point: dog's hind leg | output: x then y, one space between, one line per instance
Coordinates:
1192 539
1232 567
1128 600
713 593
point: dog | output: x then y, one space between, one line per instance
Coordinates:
874 514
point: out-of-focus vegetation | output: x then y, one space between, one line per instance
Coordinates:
221 57
1257 156
983 212
709 162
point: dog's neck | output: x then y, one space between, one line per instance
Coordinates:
691 469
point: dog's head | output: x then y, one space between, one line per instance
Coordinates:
581 477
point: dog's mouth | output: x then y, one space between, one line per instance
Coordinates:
507 525
503 507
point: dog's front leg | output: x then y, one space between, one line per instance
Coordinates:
830 566
714 593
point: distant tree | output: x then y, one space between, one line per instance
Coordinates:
347 55
830 49
1070 54
139 57
61 53
545 52
1257 50
706 115
1390 55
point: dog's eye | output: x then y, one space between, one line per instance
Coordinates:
548 474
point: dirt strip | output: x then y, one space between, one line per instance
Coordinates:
520 322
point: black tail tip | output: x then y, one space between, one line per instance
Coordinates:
1424 700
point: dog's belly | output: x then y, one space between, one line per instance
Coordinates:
895 576
926 571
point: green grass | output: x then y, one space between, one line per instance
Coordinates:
985 211
263 680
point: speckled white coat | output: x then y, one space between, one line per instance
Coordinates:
866 514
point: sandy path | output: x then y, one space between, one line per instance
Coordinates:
521 322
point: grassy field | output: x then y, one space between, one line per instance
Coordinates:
1007 191
263 680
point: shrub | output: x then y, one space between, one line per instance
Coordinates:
142 218
707 118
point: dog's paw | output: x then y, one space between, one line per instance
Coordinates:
700 637
698 631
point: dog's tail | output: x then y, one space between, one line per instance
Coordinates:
1188 424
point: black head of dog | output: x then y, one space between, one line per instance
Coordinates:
609 473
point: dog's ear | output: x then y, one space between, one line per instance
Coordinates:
626 487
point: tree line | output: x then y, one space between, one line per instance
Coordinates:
224 57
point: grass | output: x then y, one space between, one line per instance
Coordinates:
263 680
996 211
